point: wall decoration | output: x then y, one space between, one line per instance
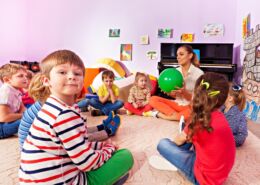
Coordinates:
126 52
251 74
213 30
114 32
246 26
152 55
144 40
165 33
187 37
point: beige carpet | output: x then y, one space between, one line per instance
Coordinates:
141 135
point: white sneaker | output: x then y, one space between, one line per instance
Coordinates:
161 163
150 113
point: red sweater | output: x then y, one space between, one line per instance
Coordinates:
215 151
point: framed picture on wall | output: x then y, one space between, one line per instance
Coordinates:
165 33
126 52
114 32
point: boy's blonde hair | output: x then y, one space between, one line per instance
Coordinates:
37 90
8 70
238 95
108 74
60 57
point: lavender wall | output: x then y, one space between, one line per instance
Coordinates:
13 30
82 26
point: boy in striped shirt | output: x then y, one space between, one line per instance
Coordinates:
57 150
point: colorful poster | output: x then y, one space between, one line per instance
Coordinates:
126 52
165 33
152 55
144 40
187 37
213 30
114 32
246 26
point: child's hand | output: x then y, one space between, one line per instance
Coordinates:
139 104
135 105
109 141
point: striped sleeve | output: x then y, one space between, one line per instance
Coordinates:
70 128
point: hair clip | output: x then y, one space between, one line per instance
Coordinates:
204 83
213 93
237 87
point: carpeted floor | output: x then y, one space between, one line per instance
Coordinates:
141 135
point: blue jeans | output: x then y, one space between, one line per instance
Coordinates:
83 103
106 107
180 156
9 129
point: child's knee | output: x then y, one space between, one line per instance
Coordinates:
163 144
126 157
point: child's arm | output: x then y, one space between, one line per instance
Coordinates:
131 97
7 115
180 138
147 98
22 108
70 129
103 99
112 95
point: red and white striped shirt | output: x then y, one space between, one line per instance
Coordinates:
57 150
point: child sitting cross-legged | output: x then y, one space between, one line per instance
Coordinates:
233 110
14 78
139 96
212 157
57 149
108 94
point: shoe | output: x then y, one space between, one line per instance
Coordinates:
150 114
128 113
161 163
122 180
121 111
109 118
114 124
84 109
96 112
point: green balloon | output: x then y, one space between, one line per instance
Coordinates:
169 79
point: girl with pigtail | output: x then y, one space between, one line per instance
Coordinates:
233 110
212 157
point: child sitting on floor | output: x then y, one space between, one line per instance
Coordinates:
213 155
57 149
233 110
139 96
14 78
108 94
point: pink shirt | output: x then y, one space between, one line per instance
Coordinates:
11 97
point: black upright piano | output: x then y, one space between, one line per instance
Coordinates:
213 57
